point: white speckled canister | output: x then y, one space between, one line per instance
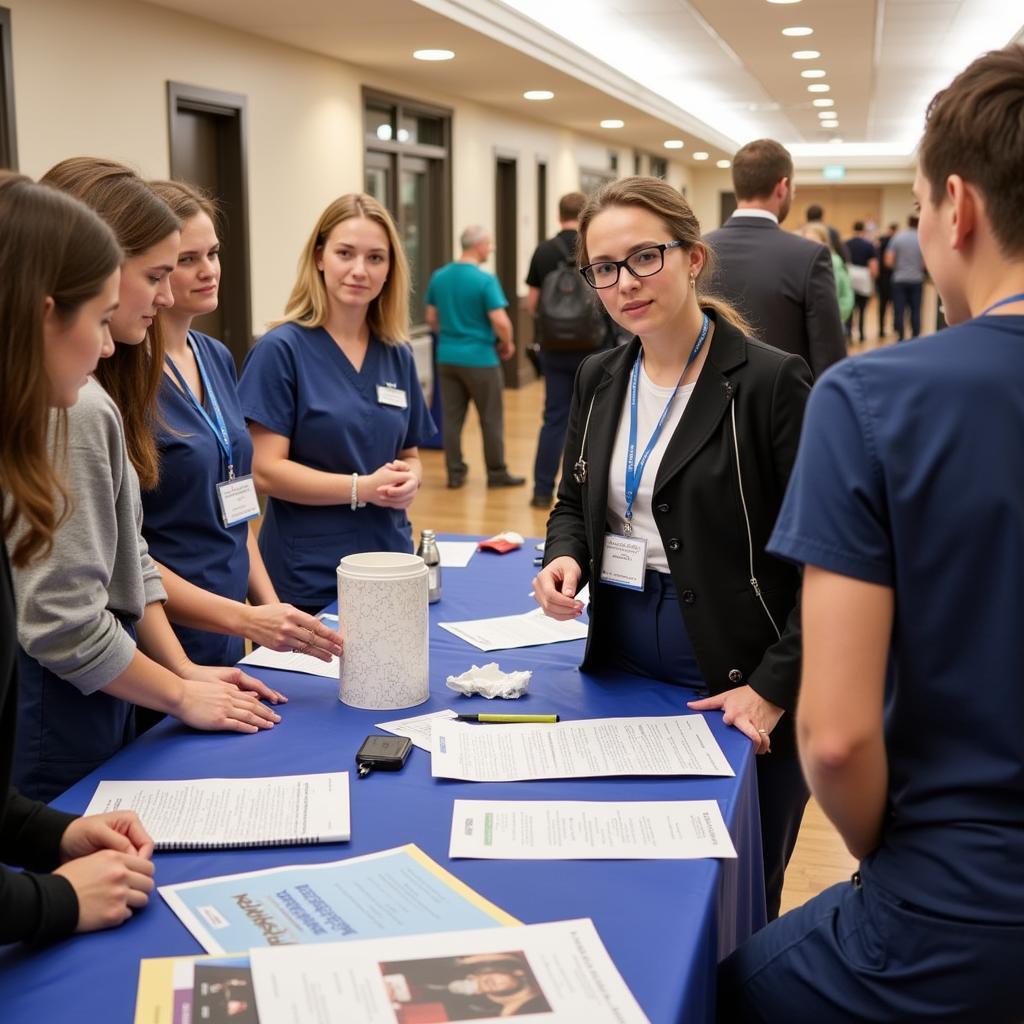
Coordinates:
382 614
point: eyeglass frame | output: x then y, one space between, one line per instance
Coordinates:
619 264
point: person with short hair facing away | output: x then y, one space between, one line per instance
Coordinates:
466 308
781 283
680 444
558 363
196 520
335 407
907 515
94 638
59 278
863 270
816 215
884 278
904 258
817 232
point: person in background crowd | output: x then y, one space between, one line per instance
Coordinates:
910 531
652 515
903 257
91 651
466 308
59 279
884 278
816 215
782 283
863 272
816 232
196 520
335 407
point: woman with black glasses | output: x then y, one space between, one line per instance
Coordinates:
678 452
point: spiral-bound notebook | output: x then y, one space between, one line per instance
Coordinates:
221 814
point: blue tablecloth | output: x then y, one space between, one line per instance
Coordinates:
665 923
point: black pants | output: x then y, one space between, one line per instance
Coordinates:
860 306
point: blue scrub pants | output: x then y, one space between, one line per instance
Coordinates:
559 369
906 295
859 953
62 733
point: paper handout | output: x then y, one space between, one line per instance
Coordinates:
455 554
394 892
416 728
671 745
531 629
187 989
559 972
212 814
589 830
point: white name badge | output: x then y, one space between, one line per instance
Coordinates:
238 500
388 394
624 561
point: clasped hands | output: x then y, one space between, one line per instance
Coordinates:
394 485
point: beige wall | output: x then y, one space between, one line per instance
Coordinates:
304 116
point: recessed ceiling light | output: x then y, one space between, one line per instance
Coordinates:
836 139
433 54
798 30
701 155
829 124
783 1
823 103
723 164
820 87
613 122
827 115
813 73
806 54
384 132
538 94
674 143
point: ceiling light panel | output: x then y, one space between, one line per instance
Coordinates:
798 30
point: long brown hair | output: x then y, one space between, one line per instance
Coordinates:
388 316
661 199
140 219
51 246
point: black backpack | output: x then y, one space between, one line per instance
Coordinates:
569 318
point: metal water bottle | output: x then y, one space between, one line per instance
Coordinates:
432 559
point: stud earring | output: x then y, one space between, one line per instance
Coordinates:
693 281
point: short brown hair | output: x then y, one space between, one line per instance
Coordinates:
570 205
661 199
140 219
975 128
757 168
51 246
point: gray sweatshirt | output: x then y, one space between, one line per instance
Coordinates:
99 570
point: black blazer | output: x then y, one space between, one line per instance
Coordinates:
783 284
697 504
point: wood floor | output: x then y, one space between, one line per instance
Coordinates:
820 858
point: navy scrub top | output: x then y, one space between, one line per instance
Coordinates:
297 383
909 475
181 517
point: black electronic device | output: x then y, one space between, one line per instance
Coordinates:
382 754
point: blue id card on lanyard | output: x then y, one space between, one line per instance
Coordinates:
236 496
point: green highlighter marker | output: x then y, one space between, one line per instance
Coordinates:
507 719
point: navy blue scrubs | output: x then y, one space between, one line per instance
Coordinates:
181 517
298 383
909 476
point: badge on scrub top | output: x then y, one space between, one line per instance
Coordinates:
624 561
391 394
238 500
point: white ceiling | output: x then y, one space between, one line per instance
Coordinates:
714 73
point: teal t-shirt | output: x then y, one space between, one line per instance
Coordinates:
463 295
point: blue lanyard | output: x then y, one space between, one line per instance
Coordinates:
1004 302
220 428
634 469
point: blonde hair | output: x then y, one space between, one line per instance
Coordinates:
819 231
388 315
659 198
140 219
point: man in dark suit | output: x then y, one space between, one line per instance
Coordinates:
782 283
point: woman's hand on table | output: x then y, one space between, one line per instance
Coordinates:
282 627
555 588
748 711
394 485
110 886
222 706
121 831
235 676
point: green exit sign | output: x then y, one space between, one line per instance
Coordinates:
833 172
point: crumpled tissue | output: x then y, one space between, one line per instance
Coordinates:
489 681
